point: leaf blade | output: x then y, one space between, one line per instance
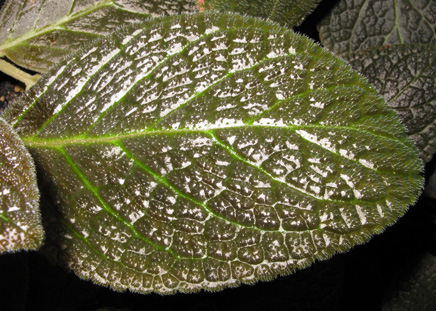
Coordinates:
36 35
20 221
403 75
220 160
286 13
355 25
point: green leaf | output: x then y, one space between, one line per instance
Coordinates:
36 34
355 25
290 13
205 151
405 76
20 221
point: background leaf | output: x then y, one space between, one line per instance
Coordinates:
416 289
404 76
36 34
20 222
290 13
355 25
430 187
206 151
363 33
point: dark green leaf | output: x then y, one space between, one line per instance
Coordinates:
289 13
355 25
416 291
36 34
20 222
405 76
205 151
430 187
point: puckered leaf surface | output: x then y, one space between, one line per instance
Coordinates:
355 25
205 151
36 34
405 76
289 13
20 221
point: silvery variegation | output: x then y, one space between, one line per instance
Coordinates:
20 220
205 151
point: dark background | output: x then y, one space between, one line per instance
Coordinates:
358 280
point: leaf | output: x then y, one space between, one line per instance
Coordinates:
430 187
290 13
355 25
404 76
416 289
20 221
36 34
205 151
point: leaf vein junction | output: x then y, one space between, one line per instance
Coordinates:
105 205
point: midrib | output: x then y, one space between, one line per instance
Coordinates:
35 142
32 34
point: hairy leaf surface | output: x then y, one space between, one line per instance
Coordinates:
355 25
36 34
205 151
289 13
20 221
405 76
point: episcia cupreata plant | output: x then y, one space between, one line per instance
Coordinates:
204 151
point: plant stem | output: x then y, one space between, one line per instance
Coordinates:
18 74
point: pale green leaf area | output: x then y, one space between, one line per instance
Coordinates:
20 221
355 25
290 13
207 151
36 34
405 76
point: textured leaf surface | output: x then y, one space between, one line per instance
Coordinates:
289 13
405 76
355 25
211 150
20 222
416 289
36 34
